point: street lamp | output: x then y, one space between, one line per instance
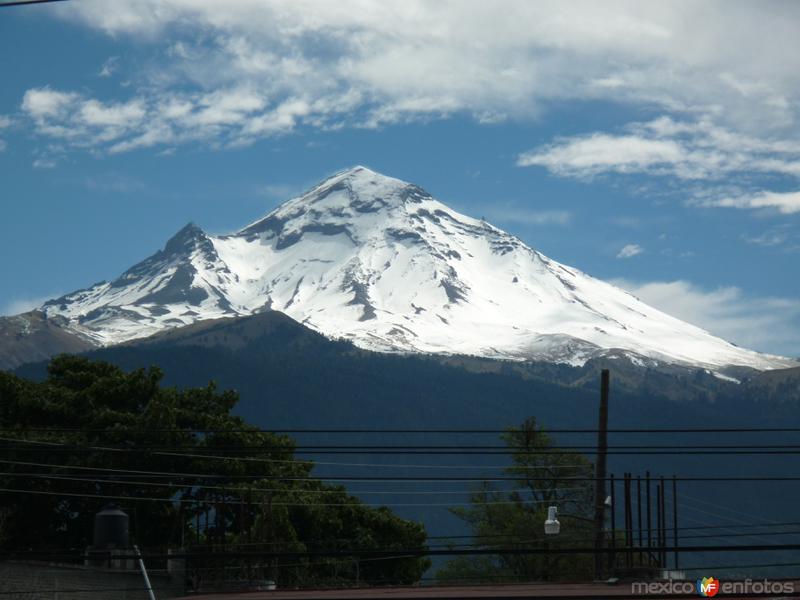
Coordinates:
551 525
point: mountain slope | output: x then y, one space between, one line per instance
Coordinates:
32 336
289 377
380 262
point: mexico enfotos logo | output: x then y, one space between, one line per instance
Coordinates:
708 587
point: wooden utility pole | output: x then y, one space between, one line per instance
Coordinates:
600 474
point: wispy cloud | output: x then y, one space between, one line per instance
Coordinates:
626 221
21 305
771 238
585 156
719 164
44 163
525 216
629 251
230 117
346 63
785 203
769 324
113 183
687 150
109 67
783 236
280 191
4 123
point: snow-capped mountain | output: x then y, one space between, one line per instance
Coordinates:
379 261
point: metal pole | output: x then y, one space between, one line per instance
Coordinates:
223 515
628 532
675 518
148 588
663 525
250 516
658 524
649 521
600 473
612 558
639 512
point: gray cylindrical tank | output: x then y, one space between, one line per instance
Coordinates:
111 528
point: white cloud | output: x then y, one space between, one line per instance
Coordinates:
629 251
41 103
356 63
96 114
4 123
598 153
784 236
727 163
280 191
21 305
220 117
768 324
112 183
109 67
687 150
524 216
785 203
44 163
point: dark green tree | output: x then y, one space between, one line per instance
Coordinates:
501 520
189 473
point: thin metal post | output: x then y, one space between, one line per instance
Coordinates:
675 518
658 524
639 512
649 520
224 516
600 473
612 557
663 525
148 588
628 532
250 515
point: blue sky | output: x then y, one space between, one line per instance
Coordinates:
656 146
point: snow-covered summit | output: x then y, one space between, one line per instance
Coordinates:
379 261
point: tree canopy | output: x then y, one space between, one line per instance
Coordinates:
189 473
515 519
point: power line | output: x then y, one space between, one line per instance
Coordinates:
350 501
379 431
725 508
4 4
416 450
636 531
393 447
47 476
216 446
719 567
398 478
419 552
65 448
736 522
95 590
